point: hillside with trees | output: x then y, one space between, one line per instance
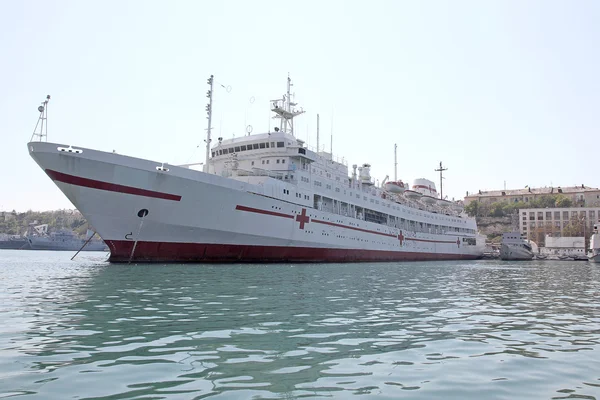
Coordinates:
505 208
13 223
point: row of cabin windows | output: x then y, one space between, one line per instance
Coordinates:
267 161
253 146
386 216
298 195
382 218
365 198
375 201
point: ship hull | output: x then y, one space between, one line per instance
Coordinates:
180 215
14 244
515 253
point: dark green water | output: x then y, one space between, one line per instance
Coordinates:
86 329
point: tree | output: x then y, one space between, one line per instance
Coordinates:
563 202
472 209
545 201
573 229
497 209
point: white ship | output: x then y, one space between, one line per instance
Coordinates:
260 198
514 247
594 253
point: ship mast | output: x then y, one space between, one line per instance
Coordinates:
441 169
42 122
285 111
317 133
395 163
209 94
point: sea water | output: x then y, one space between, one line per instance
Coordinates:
87 329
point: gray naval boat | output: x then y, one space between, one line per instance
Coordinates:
13 242
64 240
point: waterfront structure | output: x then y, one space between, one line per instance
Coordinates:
573 247
536 223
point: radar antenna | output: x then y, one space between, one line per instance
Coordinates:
42 122
285 110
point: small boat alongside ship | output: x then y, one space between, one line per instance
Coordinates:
594 252
63 240
13 242
515 248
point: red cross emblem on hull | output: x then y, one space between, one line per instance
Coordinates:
401 238
302 218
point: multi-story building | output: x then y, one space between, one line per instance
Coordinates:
535 223
581 196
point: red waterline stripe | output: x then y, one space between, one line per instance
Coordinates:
235 253
265 212
110 187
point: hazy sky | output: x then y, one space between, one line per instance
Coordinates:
497 90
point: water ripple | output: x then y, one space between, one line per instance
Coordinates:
451 330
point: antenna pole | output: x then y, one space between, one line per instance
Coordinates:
441 169
209 94
395 163
317 133
289 98
331 143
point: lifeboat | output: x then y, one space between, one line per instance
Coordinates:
395 187
411 194
443 203
429 200
457 207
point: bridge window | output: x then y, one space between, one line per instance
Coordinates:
262 145
237 149
254 146
243 148
280 144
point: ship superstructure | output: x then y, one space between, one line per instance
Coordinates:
260 198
